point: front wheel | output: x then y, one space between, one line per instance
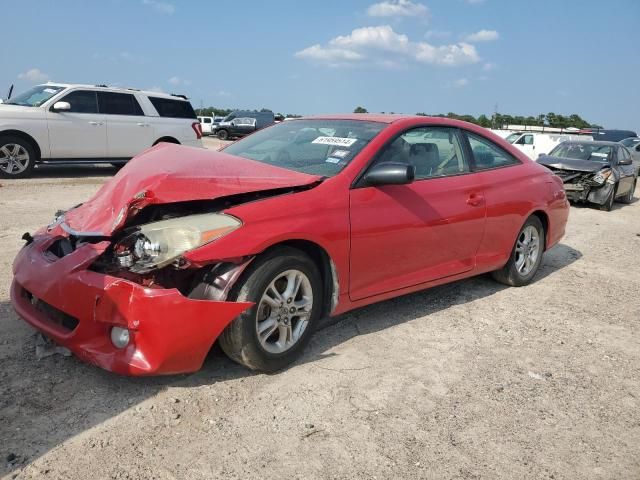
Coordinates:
223 134
628 198
286 289
17 157
526 255
608 204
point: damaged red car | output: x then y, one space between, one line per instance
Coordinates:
253 245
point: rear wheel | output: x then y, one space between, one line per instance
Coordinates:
17 157
223 134
526 255
286 289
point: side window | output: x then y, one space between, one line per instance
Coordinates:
119 104
488 155
167 107
81 101
207 120
528 139
433 151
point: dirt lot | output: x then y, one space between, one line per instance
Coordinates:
470 380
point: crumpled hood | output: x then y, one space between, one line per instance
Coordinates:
170 173
571 164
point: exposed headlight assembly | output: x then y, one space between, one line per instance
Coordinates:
601 176
156 245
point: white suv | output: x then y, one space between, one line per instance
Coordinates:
61 123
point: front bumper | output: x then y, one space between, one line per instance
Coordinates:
586 193
77 307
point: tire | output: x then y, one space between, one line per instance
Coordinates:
628 198
608 204
17 157
240 340
512 273
223 134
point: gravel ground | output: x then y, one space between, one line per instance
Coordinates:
469 380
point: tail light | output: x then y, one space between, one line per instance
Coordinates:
198 129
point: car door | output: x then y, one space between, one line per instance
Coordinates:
128 130
79 132
526 143
406 235
626 172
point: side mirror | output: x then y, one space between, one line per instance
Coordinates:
390 173
61 107
625 161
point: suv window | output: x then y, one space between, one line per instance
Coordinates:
433 151
119 104
487 154
81 101
167 107
623 154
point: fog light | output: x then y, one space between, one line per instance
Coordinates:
119 337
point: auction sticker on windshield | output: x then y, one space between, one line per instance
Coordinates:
335 141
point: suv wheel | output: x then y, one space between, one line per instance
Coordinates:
17 157
223 134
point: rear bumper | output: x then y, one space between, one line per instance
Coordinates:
76 307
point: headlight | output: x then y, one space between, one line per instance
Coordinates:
601 176
157 244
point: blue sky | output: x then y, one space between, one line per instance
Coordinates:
299 56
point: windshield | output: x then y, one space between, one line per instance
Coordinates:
513 137
582 151
630 142
317 147
36 96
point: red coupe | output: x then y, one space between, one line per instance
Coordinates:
253 245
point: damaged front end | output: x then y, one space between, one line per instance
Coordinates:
593 187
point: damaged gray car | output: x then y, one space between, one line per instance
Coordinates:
593 172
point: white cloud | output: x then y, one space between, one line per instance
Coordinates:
397 8
375 44
483 36
34 75
450 55
461 82
179 81
487 67
381 38
161 7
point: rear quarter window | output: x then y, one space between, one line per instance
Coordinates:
168 107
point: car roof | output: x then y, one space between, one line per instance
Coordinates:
600 143
116 89
371 117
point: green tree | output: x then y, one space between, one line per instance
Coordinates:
360 110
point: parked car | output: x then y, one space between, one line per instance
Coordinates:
237 124
608 135
206 125
594 172
633 145
536 144
62 123
184 247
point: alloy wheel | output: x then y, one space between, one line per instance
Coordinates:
284 311
14 158
527 250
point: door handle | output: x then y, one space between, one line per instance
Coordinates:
96 123
142 124
475 200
